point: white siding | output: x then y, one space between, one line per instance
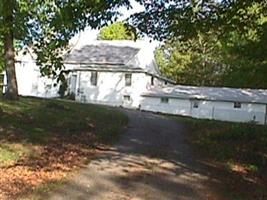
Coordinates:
111 88
217 110
174 106
30 82
247 112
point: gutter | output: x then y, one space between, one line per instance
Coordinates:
95 67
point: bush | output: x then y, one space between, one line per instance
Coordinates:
235 142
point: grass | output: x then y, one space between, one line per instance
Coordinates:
238 143
240 148
44 190
43 140
11 153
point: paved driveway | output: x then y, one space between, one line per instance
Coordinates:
151 161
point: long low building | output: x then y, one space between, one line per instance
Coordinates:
226 104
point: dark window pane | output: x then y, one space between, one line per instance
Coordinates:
152 80
164 100
126 98
237 105
93 78
128 79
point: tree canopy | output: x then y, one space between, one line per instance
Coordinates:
117 31
234 55
184 19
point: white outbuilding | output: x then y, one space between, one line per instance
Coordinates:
226 104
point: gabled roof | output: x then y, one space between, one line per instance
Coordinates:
102 54
122 55
210 93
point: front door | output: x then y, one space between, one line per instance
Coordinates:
73 83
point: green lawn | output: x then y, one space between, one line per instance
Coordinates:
43 140
240 148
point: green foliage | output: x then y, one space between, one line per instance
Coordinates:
185 19
117 31
244 144
194 62
235 59
10 154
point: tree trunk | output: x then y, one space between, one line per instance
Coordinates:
9 54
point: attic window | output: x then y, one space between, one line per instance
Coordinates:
164 100
128 79
237 104
94 78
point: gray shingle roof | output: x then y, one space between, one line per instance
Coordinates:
102 54
210 93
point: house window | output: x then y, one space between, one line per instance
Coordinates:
164 100
126 98
48 87
128 79
83 98
195 104
237 105
94 78
152 80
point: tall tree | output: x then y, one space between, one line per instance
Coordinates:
46 26
236 49
117 31
9 54
184 19
197 61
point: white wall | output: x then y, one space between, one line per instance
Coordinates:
175 106
111 88
30 82
247 112
223 111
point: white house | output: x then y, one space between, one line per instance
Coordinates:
113 72
104 72
226 104
124 73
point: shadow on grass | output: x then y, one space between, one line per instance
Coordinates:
58 137
239 149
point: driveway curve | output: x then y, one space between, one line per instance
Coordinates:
152 161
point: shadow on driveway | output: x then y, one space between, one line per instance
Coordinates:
151 161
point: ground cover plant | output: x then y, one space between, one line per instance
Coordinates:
237 149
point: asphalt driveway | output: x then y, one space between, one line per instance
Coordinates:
151 161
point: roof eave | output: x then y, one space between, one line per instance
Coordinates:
200 98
